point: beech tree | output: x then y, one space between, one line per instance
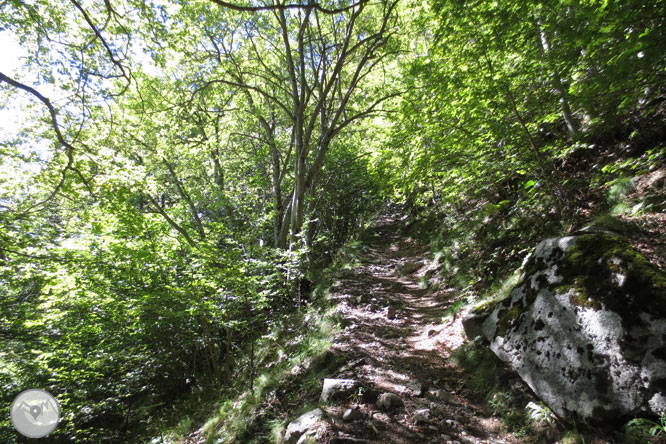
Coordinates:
302 72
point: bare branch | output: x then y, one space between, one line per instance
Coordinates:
280 7
184 194
69 149
109 51
171 222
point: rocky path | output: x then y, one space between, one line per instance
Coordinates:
395 342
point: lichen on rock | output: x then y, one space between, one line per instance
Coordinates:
585 327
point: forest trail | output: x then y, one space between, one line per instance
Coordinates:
394 341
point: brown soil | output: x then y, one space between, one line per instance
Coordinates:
395 341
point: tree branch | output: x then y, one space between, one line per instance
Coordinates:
101 39
171 222
280 7
69 149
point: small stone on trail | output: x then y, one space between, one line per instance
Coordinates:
351 365
432 332
445 396
352 414
388 401
411 267
453 423
390 313
415 387
338 388
421 416
362 299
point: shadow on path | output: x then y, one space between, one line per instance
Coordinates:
394 341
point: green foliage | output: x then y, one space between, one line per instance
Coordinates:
573 436
291 378
638 429
180 170
489 381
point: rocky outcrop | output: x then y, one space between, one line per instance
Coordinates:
585 328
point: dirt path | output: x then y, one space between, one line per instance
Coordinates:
394 341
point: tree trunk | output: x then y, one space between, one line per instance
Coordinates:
572 125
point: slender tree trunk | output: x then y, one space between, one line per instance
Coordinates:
252 366
228 358
572 125
299 195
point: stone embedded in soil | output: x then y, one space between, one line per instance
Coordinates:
306 438
422 416
352 414
363 299
411 267
335 389
351 365
453 423
391 312
388 401
415 387
445 396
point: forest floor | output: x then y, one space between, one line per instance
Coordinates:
394 341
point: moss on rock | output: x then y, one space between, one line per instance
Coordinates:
597 270
605 271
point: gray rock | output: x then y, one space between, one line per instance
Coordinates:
472 322
445 396
335 389
422 416
411 267
388 401
304 423
307 438
585 328
453 423
415 387
352 414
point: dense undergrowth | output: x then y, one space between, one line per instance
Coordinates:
290 360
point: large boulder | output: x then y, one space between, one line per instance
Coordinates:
585 328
